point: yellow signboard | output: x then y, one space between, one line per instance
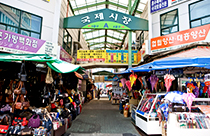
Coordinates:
91 55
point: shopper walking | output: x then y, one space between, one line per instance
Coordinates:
99 92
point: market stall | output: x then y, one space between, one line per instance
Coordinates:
36 100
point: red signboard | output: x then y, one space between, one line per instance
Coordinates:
176 40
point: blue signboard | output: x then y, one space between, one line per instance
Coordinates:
156 5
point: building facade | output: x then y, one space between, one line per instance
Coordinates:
42 20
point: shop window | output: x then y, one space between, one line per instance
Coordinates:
67 41
18 21
199 13
169 22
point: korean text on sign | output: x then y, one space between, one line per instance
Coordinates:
158 5
16 41
182 37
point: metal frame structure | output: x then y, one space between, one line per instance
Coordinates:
103 39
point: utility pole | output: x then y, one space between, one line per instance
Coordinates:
129 39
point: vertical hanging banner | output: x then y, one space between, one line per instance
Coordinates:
156 5
120 56
65 56
17 43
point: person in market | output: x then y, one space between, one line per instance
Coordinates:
99 92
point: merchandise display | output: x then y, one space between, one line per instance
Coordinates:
36 103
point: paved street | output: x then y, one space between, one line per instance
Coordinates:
101 118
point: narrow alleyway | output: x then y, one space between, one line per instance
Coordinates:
101 118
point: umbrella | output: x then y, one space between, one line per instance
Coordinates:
168 81
175 97
188 98
123 80
109 85
164 108
128 84
140 79
196 92
153 80
133 78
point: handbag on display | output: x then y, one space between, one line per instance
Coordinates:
61 102
9 99
5 119
18 105
34 121
5 108
26 105
22 75
49 78
26 114
23 89
65 114
26 131
4 129
17 90
47 123
41 131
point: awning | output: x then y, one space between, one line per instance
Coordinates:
6 57
171 62
64 67
57 65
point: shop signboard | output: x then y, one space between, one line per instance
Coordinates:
105 19
120 56
17 43
107 79
180 39
91 55
156 5
65 56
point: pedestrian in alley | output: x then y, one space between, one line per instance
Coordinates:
99 92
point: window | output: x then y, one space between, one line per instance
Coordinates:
169 22
17 21
67 41
141 39
199 13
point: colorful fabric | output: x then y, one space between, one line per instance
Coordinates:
133 78
168 81
188 98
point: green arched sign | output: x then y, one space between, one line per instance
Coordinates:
105 19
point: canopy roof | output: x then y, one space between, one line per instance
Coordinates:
102 39
103 72
57 65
